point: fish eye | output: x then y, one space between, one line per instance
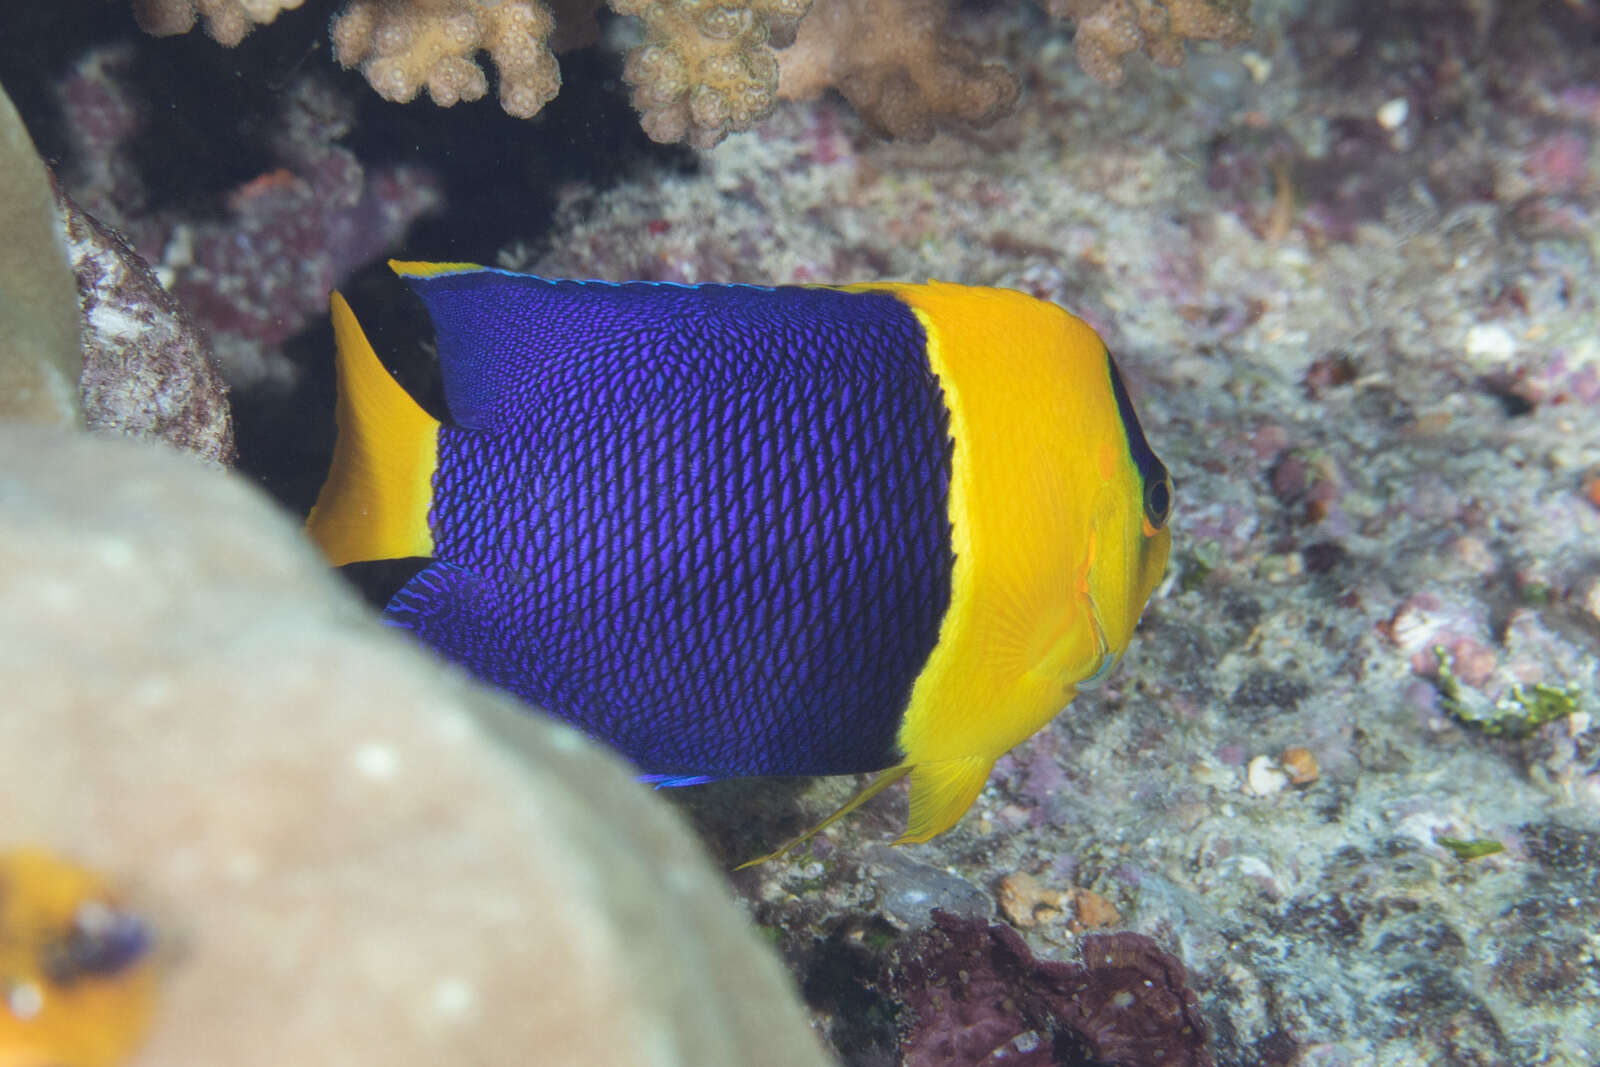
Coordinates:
1158 502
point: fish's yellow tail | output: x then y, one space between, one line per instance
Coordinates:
375 502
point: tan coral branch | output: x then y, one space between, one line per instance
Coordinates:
227 21
896 64
405 46
1110 30
705 69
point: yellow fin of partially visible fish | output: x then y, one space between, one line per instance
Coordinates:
78 978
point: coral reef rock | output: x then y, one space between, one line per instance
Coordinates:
147 369
253 267
348 853
1350 284
39 360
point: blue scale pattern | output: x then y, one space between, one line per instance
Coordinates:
705 524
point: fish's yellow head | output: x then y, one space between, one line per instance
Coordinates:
1058 514
1127 542
1058 525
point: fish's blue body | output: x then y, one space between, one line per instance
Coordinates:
707 524
739 530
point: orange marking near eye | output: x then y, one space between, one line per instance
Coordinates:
1106 460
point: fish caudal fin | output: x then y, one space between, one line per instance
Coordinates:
375 502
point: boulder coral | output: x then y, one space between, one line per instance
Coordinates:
344 852
39 356
706 69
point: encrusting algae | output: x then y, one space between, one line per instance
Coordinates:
76 969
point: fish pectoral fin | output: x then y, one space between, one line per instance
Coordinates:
883 781
444 604
941 793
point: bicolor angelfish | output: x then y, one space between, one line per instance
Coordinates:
737 530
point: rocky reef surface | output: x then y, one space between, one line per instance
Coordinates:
1351 276
1341 802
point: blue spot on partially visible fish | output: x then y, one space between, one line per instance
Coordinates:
738 530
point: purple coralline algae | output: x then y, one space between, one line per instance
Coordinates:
255 268
977 995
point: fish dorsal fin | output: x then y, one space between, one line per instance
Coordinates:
478 314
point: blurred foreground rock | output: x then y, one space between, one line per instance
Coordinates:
39 357
350 855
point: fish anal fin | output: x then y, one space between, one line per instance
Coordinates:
941 792
444 604
883 781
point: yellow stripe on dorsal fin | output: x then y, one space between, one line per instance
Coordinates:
375 502
884 780
940 794
410 268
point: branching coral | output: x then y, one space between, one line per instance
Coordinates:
705 69
1109 30
404 46
227 21
710 67
896 65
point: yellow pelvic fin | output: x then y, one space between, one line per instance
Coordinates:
883 781
375 502
940 794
